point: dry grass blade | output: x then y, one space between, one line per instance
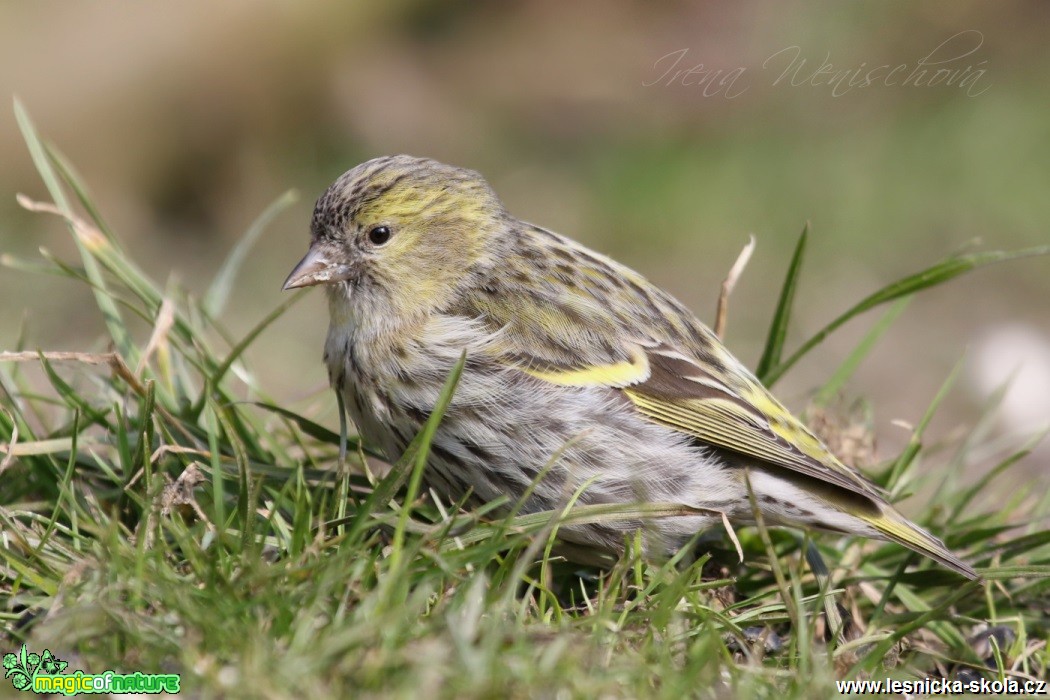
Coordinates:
722 315
114 360
87 234
9 449
165 320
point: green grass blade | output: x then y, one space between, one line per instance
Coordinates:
219 291
844 371
110 313
782 316
314 430
68 173
414 457
875 656
930 277
962 501
907 457
238 350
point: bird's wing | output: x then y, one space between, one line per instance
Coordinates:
696 398
575 318
562 324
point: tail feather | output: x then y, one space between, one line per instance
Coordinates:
795 500
896 527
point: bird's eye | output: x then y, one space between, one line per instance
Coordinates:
378 235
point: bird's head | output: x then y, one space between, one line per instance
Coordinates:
399 237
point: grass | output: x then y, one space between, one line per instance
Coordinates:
160 514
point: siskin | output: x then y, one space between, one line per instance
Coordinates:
580 375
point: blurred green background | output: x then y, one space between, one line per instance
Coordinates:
187 118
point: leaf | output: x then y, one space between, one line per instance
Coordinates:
422 451
1023 544
219 291
240 347
414 457
834 385
874 657
314 430
1001 573
930 277
911 450
600 514
68 174
981 485
110 313
71 397
781 317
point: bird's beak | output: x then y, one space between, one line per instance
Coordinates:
316 267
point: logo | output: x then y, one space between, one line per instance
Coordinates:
42 673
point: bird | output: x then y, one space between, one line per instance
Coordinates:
581 378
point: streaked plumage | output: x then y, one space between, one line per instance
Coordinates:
573 361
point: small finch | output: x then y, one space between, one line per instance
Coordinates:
580 375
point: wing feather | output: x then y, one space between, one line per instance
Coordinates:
552 317
668 387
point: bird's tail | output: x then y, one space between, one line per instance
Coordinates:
896 527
